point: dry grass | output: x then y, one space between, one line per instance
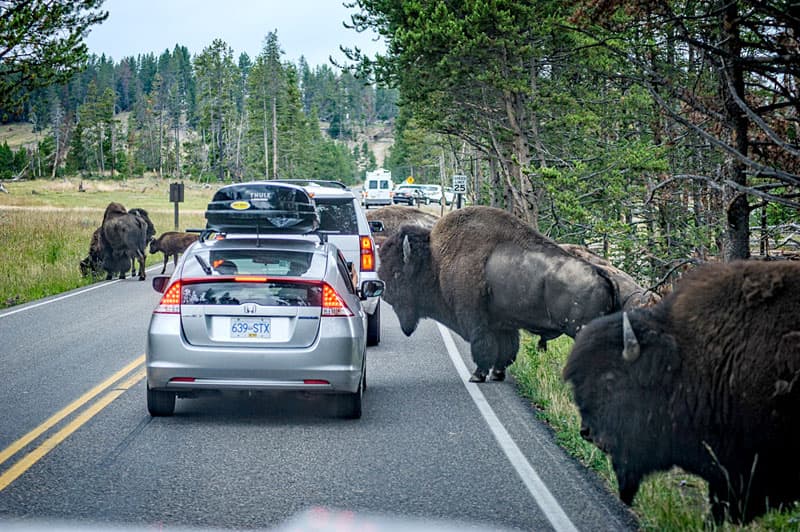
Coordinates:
16 135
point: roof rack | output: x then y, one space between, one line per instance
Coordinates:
312 182
257 233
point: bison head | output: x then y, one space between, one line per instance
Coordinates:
623 369
151 229
406 270
89 266
92 264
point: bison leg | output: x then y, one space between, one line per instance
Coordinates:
166 259
142 274
628 484
508 346
484 348
479 375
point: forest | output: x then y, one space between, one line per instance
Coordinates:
656 133
214 115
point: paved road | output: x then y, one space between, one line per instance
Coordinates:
429 446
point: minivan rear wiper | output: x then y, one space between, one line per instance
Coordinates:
203 264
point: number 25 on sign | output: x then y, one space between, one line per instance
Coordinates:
459 184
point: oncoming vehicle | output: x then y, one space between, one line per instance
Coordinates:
377 189
246 312
410 195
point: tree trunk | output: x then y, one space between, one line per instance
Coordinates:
275 137
738 209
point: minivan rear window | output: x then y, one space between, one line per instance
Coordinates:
337 215
271 293
258 261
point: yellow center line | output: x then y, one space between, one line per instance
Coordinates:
21 443
50 443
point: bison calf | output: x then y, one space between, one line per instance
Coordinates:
172 243
706 380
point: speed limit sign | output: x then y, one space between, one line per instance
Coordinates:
459 184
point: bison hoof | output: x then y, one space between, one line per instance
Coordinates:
479 375
498 375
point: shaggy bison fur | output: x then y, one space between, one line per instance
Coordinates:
486 274
172 243
123 239
706 380
395 216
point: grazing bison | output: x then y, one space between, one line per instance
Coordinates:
123 239
706 380
486 274
93 263
394 216
630 293
172 243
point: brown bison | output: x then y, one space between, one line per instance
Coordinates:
706 380
394 216
172 243
92 264
123 239
486 274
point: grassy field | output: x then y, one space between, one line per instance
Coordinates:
45 229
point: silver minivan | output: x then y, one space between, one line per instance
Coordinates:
259 313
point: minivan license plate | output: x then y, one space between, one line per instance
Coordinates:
250 328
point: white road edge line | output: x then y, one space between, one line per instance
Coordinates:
548 504
59 298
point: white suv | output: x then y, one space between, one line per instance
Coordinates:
433 193
345 224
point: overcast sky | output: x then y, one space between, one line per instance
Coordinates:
311 28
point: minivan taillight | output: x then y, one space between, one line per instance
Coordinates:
332 304
171 300
367 254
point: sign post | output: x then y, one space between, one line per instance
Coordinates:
459 188
176 196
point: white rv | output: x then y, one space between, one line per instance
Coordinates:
377 189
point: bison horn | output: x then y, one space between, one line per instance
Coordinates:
406 250
631 350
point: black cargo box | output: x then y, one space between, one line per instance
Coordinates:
262 207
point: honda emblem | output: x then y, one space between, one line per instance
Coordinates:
250 308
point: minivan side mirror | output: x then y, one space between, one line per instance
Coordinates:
160 283
371 289
376 226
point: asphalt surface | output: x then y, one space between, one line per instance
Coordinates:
424 456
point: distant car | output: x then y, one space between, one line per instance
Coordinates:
433 193
345 224
259 312
410 195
